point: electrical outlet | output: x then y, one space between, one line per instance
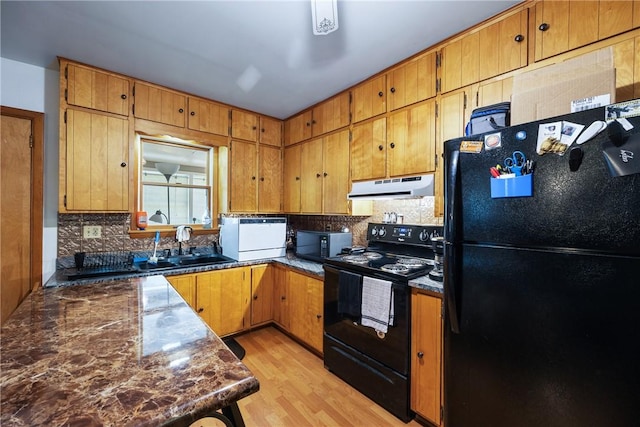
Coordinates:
92 231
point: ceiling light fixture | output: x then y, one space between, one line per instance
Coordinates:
324 15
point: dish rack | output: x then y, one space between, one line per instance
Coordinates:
94 264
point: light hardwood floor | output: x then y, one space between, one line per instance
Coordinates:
296 390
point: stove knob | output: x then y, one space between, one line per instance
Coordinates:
374 231
383 231
424 236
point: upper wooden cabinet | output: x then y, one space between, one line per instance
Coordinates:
159 104
270 131
411 82
94 170
298 128
370 99
255 178
244 125
331 114
208 116
411 137
564 25
98 90
292 178
325 117
503 45
460 62
369 150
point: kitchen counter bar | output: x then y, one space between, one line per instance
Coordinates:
126 352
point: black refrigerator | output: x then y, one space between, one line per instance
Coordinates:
542 289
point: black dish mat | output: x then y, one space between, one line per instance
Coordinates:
235 347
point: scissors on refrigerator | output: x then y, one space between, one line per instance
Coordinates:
517 160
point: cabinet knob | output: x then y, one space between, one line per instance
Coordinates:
297 178
318 175
253 128
393 90
123 165
380 94
420 355
283 298
308 124
200 310
262 130
392 145
255 297
313 122
543 27
325 174
380 147
318 316
193 113
253 178
181 110
123 96
519 38
262 178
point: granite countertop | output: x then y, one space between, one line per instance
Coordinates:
290 260
425 283
128 352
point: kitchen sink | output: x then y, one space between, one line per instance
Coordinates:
161 264
204 259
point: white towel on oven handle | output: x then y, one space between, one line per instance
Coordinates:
377 304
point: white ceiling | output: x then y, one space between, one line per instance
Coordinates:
204 47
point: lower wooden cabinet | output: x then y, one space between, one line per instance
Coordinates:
185 285
223 299
280 297
426 359
305 306
262 294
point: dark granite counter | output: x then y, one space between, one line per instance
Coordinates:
290 260
425 283
120 353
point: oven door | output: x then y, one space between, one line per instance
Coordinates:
390 349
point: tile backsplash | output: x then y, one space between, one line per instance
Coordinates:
115 227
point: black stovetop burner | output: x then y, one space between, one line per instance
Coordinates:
387 264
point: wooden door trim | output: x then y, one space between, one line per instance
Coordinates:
37 174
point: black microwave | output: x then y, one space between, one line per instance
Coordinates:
318 245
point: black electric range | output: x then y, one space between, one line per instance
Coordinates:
395 251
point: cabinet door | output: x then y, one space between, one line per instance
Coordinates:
306 308
185 285
452 118
369 150
311 176
292 179
297 128
411 140
243 177
159 105
461 62
426 362
244 125
413 81
223 299
503 45
97 162
261 294
626 56
493 92
270 132
370 99
335 186
270 179
280 298
90 88
615 17
207 116
331 114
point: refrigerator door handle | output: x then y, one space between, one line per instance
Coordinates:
450 235
449 283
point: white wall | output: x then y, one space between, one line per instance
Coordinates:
34 88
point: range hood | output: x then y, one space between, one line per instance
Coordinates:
393 188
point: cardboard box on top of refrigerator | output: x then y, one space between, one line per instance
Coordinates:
550 91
